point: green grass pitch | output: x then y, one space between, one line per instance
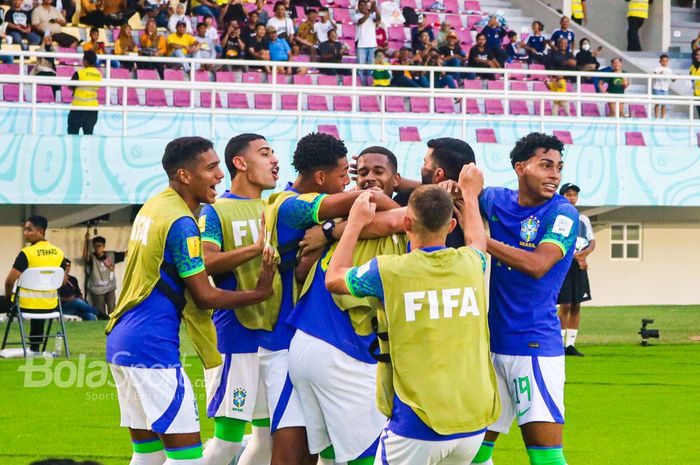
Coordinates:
625 404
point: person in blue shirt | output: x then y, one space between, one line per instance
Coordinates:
495 33
279 48
533 234
156 399
233 397
536 44
564 32
314 197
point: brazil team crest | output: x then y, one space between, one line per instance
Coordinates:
239 395
529 228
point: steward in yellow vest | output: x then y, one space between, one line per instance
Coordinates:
165 282
40 253
85 95
437 383
637 12
578 11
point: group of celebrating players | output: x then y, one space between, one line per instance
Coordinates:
348 326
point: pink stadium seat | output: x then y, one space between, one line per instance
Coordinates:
67 60
472 21
409 134
65 72
302 80
432 19
444 105
132 97
289 101
472 105
394 104
44 94
538 67
10 92
237 101
486 136
342 3
465 37
634 139
205 97
454 20
9 68
396 33
263 101
637 110
451 6
589 108
181 98
325 80
342 103
520 77
369 103
317 103
472 6
225 76
396 45
347 81
249 7
154 97
408 3
301 14
352 48
494 106
519 107
341 15
564 136
281 79
420 104
252 77
331 129
349 31
540 86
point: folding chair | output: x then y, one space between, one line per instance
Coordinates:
46 281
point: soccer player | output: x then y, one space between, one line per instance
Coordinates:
575 288
315 196
143 345
433 322
232 244
330 360
533 231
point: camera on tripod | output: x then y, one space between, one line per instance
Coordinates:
647 333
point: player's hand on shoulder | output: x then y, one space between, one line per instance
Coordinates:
363 209
267 271
313 239
352 169
451 188
471 181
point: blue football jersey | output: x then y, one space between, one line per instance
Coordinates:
522 310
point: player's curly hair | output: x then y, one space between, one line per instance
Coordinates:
318 151
525 148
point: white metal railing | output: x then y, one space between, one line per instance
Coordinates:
355 91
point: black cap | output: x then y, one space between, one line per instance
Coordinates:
66 262
567 186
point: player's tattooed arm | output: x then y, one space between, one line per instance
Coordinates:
361 214
535 264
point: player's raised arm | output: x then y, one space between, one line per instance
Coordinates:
217 261
338 205
534 264
471 183
361 214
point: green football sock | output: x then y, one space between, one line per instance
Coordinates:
261 422
328 453
546 455
485 452
362 461
229 429
184 453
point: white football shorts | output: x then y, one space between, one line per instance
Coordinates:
282 398
398 450
235 388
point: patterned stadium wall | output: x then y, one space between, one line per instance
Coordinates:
113 170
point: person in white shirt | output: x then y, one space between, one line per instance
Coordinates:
366 18
324 26
660 86
212 34
178 16
206 47
284 25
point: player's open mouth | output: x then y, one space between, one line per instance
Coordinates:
212 188
551 187
275 172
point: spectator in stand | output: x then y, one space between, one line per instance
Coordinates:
263 17
424 46
46 66
181 44
560 58
233 45
72 301
258 48
283 25
157 10
248 31
380 77
536 44
306 34
125 45
416 31
515 53
616 85
205 7
558 84
695 71
442 79
405 78
452 53
579 13
382 38
481 57
323 27
564 32
660 86
46 18
366 18
19 25
290 11
443 33
152 45
212 34
179 16
206 49
332 51
586 60
101 13
495 33
94 43
279 49
233 11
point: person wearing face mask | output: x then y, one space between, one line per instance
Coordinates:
586 59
